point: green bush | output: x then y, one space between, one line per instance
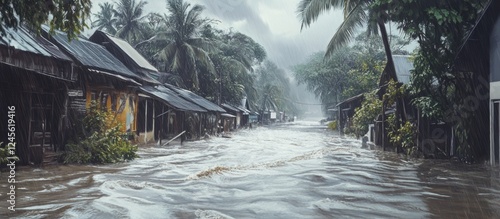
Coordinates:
333 125
366 114
103 141
405 136
4 154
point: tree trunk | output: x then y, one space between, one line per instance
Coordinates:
391 70
390 62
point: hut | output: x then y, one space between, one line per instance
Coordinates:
346 110
35 77
208 121
104 79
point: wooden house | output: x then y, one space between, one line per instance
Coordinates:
208 120
480 57
104 78
159 116
180 111
35 77
346 110
237 113
148 108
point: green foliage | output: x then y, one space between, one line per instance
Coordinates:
4 154
103 142
68 16
399 133
393 92
348 71
129 16
106 19
404 136
440 27
333 125
367 113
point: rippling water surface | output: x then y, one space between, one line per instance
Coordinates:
295 170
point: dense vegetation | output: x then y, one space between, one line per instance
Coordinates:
437 90
102 140
68 16
347 71
222 66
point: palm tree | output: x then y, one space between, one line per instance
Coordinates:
187 47
129 15
105 19
356 14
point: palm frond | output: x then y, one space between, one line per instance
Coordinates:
309 10
355 19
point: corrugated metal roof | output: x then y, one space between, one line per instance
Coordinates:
130 51
22 40
171 98
52 49
196 99
245 111
403 66
91 55
229 107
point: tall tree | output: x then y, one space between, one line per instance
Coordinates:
442 93
105 19
129 14
188 48
68 16
357 13
234 56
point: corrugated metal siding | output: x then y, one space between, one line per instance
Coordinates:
196 99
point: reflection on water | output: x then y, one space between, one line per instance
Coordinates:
297 170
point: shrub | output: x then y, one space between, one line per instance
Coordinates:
333 125
367 113
4 154
103 141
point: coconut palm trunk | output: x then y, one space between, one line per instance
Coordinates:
391 70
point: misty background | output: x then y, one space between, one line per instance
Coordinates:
272 23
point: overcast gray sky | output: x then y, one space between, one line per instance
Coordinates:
272 23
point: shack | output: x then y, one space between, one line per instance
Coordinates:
104 80
34 80
208 120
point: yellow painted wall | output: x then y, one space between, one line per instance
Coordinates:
129 112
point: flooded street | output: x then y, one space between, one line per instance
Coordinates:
294 170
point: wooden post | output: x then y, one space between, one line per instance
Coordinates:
200 120
146 120
383 125
154 120
168 123
161 122
182 125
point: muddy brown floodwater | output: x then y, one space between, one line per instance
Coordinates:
295 170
